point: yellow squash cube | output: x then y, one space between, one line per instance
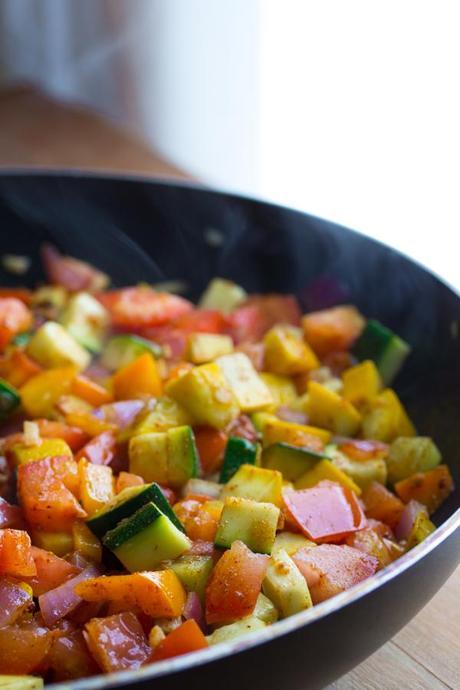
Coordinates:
205 392
278 431
52 346
248 388
327 409
48 447
387 418
204 347
287 353
282 388
325 469
361 383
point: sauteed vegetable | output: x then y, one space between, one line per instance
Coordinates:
174 476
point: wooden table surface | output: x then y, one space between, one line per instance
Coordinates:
36 131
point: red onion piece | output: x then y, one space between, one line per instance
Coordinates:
193 609
295 416
407 519
13 600
120 413
61 601
10 516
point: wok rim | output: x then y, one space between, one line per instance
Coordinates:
319 611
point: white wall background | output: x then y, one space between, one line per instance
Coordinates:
349 109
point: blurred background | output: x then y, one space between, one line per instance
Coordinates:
348 110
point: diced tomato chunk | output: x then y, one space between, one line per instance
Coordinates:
24 647
135 308
69 656
15 553
358 449
201 321
199 517
330 569
211 446
15 318
332 330
235 584
72 435
45 492
327 512
117 642
52 571
183 640
259 313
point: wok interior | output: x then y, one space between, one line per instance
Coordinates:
194 234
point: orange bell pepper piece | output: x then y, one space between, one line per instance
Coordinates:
15 554
200 517
381 504
430 488
183 640
158 594
89 424
141 377
17 368
15 318
96 485
91 392
126 480
41 392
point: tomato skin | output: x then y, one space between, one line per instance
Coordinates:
332 330
211 444
24 647
15 318
328 512
117 642
183 640
135 308
235 584
201 321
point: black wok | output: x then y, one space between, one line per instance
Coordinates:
194 234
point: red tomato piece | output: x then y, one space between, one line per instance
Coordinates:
235 584
117 642
52 571
135 308
259 313
211 445
330 569
100 450
173 341
328 512
199 517
70 273
43 490
183 640
22 294
24 647
15 318
69 657
332 330
201 321
15 553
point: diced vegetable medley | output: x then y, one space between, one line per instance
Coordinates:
174 476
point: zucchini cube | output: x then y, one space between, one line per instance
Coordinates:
204 347
52 346
256 483
86 320
144 540
329 410
287 353
285 586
